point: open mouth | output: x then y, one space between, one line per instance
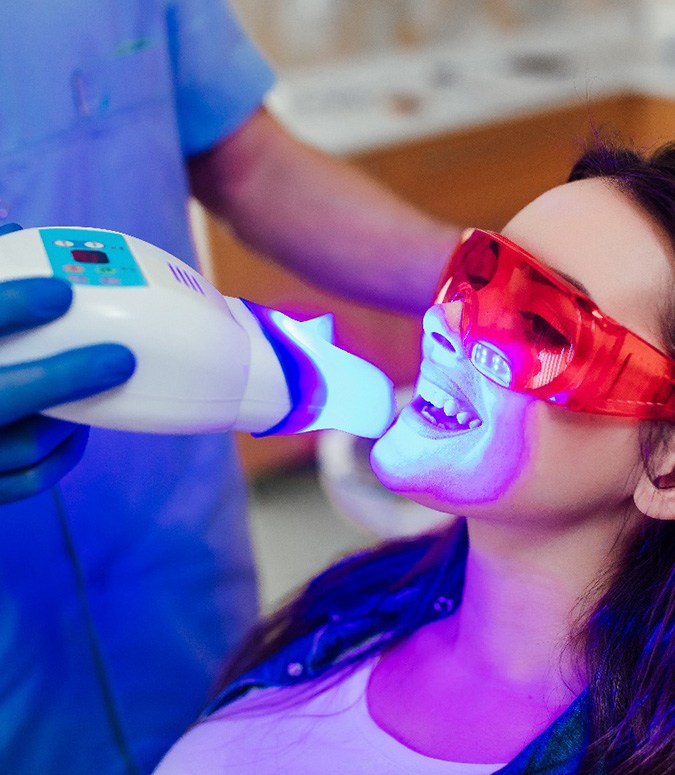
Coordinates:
449 412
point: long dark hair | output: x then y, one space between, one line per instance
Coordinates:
629 643
628 637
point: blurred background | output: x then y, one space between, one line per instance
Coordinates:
469 108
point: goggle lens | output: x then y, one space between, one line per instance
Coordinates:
517 329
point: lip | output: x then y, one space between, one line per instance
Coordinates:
433 374
412 416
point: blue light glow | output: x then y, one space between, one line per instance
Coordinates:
358 398
437 464
329 387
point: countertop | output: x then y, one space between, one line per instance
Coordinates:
485 76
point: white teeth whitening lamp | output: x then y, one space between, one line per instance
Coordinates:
205 362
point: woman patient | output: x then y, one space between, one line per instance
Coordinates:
534 633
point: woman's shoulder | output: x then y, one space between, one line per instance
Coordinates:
265 727
201 748
228 738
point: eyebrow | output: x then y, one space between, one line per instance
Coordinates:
568 278
572 281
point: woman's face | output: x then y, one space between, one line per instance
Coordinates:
523 458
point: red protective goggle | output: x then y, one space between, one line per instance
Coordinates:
526 328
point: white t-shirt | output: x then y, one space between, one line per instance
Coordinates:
285 731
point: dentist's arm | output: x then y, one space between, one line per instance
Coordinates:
321 217
36 451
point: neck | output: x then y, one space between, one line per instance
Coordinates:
523 594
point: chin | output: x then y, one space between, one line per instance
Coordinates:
446 478
392 461
404 473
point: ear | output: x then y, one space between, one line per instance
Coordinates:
656 498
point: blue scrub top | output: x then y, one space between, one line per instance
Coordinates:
122 589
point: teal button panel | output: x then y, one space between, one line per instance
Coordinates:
92 257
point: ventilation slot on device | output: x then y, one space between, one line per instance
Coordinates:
186 279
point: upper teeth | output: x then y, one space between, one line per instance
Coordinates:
451 405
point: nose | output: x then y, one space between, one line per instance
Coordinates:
441 325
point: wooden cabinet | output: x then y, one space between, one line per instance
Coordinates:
482 176
479 176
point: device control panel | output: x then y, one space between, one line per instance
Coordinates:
91 257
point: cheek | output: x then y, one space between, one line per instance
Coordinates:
587 462
451 473
533 460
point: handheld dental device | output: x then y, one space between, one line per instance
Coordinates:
205 362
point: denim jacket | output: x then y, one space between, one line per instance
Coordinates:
559 750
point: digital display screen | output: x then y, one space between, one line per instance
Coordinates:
90 256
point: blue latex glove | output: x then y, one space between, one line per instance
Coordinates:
36 451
